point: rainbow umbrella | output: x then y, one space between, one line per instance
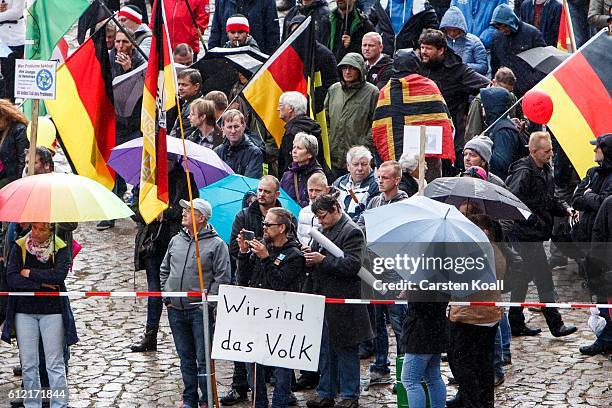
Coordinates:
59 197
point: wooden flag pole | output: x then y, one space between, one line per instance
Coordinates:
570 26
211 380
422 136
33 133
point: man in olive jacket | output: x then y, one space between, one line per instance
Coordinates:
350 105
345 326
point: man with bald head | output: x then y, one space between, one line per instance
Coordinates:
378 65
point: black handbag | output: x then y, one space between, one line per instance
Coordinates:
148 247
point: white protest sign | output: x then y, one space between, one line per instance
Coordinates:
433 141
35 79
273 328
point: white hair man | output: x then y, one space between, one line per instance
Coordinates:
359 184
410 173
293 109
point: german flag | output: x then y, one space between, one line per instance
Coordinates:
410 101
563 39
158 97
288 69
581 89
83 111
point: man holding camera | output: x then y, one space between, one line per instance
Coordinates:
250 220
276 263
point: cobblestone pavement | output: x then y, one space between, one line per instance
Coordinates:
103 373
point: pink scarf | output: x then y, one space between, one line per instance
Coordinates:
41 250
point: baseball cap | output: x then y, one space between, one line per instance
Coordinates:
200 205
601 140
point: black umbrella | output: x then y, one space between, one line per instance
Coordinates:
219 65
544 59
493 200
127 90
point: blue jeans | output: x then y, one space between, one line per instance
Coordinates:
29 328
154 304
396 314
339 369
502 345
424 367
42 367
605 337
188 333
282 388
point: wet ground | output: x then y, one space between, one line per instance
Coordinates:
103 372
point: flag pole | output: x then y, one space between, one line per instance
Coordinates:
33 134
211 382
195 23
422 135
570 25
503 115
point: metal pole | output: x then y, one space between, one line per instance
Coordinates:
205 317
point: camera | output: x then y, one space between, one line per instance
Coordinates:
248 235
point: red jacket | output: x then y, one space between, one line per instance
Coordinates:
180 24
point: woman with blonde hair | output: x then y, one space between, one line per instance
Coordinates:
40 262
13 142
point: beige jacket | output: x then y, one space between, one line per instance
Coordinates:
482 314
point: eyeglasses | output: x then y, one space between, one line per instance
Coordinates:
267 224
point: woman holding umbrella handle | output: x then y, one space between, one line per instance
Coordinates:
40 261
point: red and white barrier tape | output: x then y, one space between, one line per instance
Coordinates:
213 298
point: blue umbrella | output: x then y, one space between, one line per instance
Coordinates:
432 240
226 195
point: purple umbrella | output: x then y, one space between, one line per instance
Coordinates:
205 165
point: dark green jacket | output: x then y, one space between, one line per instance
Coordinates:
350 110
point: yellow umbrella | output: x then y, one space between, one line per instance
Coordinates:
59 197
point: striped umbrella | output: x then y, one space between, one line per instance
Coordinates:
59 197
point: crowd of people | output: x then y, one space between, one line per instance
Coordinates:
468 49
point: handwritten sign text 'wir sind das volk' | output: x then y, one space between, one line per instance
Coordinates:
274 328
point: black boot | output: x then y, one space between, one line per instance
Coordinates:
307 381
148 342
599 347
517 323
555 322
17 370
